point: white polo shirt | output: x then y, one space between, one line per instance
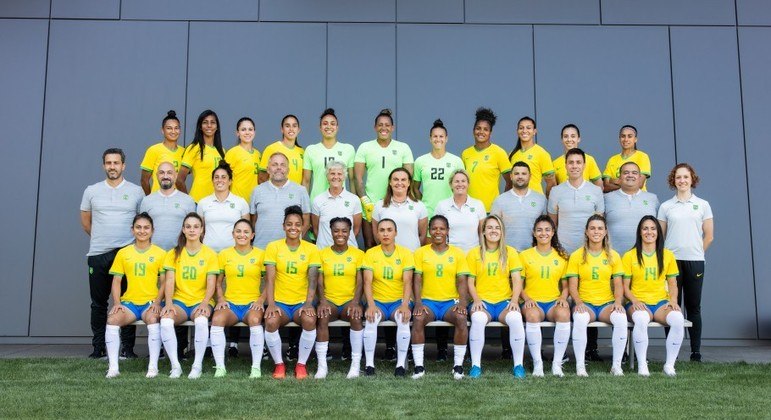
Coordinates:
406 216
327 206
219 218
685 232
464 221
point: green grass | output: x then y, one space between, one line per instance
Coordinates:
77 388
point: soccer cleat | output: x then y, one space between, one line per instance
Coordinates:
616 370
353 372
291 352
390 354
151 373
441 354
556 370
175 372
475 372
265 353
669 370
346 355
696 356
321 373
112 374
279 372
256 373
518 371
581 371
642 369
128 354
369 371
400 372
538 369
420 371
220 372
593 356
300 372
457 372
195 373
233 351
98 354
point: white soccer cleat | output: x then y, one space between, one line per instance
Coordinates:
556 370
175 372
112 374
538 369
420 371
616 370
669 370
642 369
321 373
151 373
195 373
581 371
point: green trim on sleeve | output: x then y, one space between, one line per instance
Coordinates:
617 274
145 168
547 172
115 273
595 178
186 165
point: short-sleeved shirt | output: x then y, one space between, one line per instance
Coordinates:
613 167
574 206
434 175
388 271
112 213
484 168
294 154
439 271
623 213
157 154
543 274
317 156
518 214
648 284
591 169
492 282
595 276
201 169
268 203
539 161
292 265
406 215
340 270
464 221
246 167
190 272
327 207
168 213
685 232
219 217
141 269
380 161
243 274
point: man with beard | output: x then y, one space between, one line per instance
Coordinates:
168 207
519 207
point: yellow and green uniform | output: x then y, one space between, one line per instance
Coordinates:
543 274
340 271
539 161
157 154
591 170
294 154
317 156
379 162
243 274
245 166
485 168
492 282
141 269
595 276
201 169
434 175
291 284
190 271
648 285
613 168
439 271
388 271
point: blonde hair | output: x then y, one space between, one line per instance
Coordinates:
502 254
605 241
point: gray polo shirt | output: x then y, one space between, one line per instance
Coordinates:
623 212
268 203
573 206
168 213
519 214
112 211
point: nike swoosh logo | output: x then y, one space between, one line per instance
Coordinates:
700 275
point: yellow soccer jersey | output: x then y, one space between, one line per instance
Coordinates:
243 274
439 271
157 154
648 285
485 168
190 273
639 157
340 273
493 284
291 283
388 272
539 161
542 274
295 156
591 170
595 277
141 269
201 169
245 166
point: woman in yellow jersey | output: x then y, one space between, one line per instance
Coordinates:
485 161
340 294
441 292
244 159
495 285
536 157
241 270
627 137
142 264
289 146
571 138
545 294
166 151
594 274
191 272
387 276
202 156
291 273
650 285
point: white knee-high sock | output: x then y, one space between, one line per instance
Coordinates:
516 336
370 340
417 354
640 334
169 339
256 344
476 337
561 338
533 333
580 323
357 342
459 353
153 345
675 337
201 338
273 341
321 353
307 340
218 342
619 335
402 340
112 342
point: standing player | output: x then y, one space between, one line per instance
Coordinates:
289 146
319 155
464 214
244 159
485 161
536 157
333 203
519 208
625 207
221 210
571 138
433 169
627 136
202 156
401 206
166 151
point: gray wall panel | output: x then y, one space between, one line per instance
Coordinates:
22 77
443 11
669 12
328 11
86 9
753 12
109 84
246 10
708 114
25 8
524 11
